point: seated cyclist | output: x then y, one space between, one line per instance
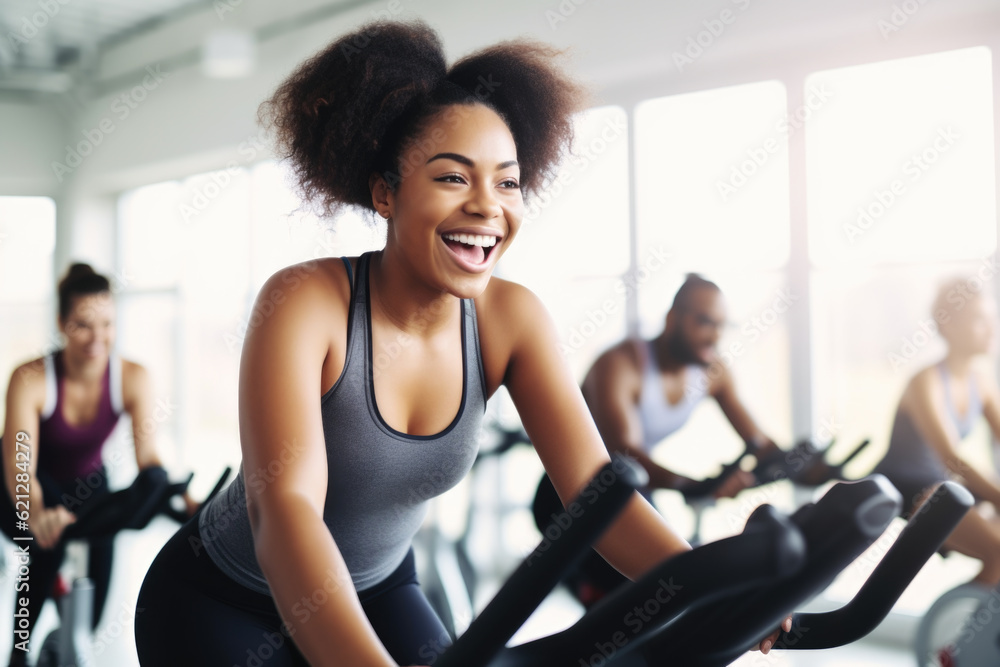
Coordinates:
641 391
939 407
63 407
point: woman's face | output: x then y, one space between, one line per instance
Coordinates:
458 204
972 328
90 326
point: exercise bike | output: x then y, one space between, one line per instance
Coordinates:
805 465
70 645
708 606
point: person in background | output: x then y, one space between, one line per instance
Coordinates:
63 407
939 407
642 391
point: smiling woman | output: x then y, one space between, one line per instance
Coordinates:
368 380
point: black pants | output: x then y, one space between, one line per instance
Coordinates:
45 563
189 612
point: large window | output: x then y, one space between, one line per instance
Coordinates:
712 193
27 285
901 196
194 254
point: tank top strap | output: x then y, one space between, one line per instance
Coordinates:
973 409
51 386
113 384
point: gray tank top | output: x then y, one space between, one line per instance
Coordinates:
658 417
379 478
910 459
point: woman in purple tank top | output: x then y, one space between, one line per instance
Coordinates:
63 407
938 408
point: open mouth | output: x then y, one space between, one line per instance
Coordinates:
473 248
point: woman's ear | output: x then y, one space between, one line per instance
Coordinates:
382 198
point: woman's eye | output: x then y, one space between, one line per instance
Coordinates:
450 178
510 183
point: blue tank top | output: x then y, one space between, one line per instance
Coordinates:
379 479
910 459
659 417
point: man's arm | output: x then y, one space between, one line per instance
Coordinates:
723 390
611 389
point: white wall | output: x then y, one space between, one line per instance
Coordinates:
30 137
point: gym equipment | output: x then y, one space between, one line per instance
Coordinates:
805 465
708 606
133 508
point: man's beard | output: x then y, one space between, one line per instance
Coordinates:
682 351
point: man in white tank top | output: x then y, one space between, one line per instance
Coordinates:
639 392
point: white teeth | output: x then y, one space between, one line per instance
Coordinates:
473 239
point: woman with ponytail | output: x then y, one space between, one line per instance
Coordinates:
61 408
362 394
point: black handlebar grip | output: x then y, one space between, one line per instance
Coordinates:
771 547
918 541
706 487
837 529
565 541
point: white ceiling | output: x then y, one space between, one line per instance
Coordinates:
46 38
63 44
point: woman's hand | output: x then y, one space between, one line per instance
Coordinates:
48 524
190 504
767 644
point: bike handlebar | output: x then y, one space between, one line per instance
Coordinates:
917 542
771 548
565 542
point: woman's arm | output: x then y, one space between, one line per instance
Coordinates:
924 403
280 425
560 426
990 394
137 396
612 388
25 400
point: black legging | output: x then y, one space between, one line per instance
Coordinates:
191 613
45 563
